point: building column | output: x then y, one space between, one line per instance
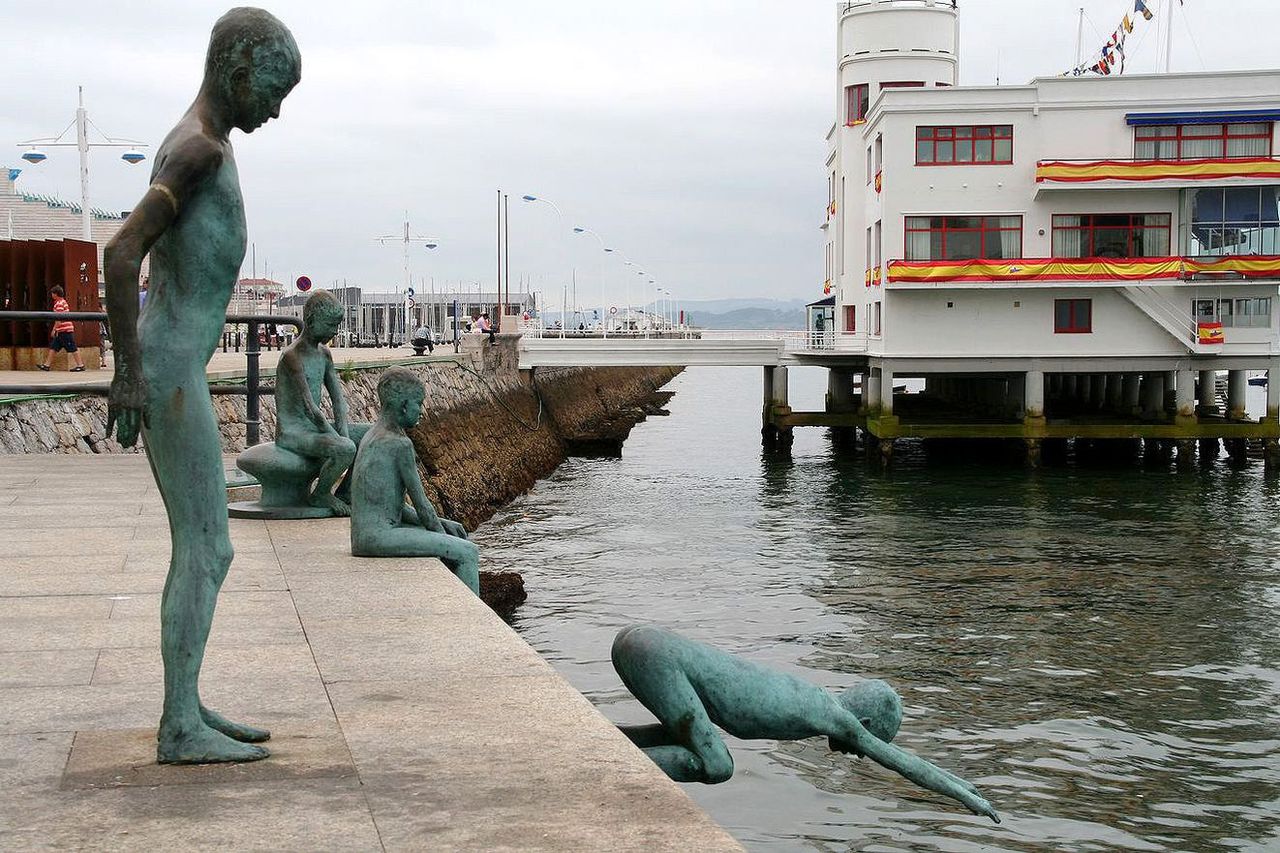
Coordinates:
1153 395
1015 397
1237 386
1070 387
840 389
775 402
1185 399
1273 391
1098 390
1115 391
1207 394
1033 395
871 391
1130 395
886 391
1171 390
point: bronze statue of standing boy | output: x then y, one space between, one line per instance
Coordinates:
192 222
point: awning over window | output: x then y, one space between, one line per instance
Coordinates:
1210 117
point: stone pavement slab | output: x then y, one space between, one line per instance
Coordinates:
405 714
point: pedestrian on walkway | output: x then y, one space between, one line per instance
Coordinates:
486 327
63 336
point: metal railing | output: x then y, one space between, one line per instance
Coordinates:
252 389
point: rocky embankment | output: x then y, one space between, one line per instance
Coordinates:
489 431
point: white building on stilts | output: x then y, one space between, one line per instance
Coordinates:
1075 258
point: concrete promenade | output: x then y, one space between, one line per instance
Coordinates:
406 715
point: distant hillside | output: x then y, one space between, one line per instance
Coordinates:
723 306
749 318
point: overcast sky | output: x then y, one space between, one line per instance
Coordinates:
689 133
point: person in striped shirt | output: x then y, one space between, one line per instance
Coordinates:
63 336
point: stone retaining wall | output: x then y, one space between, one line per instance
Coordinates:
488 433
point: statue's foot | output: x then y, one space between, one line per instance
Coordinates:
204 746
235 731
335 505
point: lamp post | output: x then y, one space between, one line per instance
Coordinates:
604 329
35 156
626 284
407 239
533 199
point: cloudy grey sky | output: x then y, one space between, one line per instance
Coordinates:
689 133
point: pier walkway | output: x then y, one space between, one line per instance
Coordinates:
405 714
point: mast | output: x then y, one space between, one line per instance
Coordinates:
1080 39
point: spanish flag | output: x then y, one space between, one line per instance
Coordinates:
1210 334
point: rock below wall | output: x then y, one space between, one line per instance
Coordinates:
489 431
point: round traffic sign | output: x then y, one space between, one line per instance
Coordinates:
304 283
410 302
411 291
613 309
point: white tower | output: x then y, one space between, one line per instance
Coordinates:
880 44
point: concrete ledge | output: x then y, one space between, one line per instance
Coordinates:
406 714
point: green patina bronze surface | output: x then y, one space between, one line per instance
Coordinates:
299 470
692 688
386 471
191 220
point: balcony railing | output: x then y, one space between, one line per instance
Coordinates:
1085 269
1131 171
1230 239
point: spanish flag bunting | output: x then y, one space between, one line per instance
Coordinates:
1083 269
1057 171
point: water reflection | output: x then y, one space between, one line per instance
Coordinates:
1097 648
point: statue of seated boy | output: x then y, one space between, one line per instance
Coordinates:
385 471
326 449
692 688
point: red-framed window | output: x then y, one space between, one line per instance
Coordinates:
954 238
851 318
1202 141
857 100
1112 235
986 144
903 84
1072 316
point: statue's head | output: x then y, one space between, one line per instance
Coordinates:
322 315
876 705
252 64
400 393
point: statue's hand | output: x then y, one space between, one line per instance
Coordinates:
127 407
453 528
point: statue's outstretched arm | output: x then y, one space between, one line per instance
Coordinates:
923 773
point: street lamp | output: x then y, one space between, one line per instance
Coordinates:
577 229
533 199
626 284
35 156
407 239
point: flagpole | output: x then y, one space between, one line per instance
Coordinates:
1168 36
1080 40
